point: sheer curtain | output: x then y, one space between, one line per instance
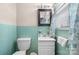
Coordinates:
74 29
73 9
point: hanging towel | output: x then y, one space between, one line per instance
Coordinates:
62 41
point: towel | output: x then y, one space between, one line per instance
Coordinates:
62 41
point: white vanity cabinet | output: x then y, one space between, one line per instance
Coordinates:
46 46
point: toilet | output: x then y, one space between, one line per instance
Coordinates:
23 46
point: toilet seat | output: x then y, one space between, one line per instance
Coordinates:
23 53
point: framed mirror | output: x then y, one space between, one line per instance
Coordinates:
44 17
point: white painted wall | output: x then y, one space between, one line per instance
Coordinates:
8 13
26 14
62 18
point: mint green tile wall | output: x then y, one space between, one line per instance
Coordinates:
62 50
63 33
31 31
7 39
44 29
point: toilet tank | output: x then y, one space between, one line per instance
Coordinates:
23 43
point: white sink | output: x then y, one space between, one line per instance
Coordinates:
46 38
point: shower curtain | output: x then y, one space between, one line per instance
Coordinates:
73 42
74 29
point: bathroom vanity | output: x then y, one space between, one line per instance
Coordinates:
46 46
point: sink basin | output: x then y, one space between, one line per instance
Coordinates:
46 38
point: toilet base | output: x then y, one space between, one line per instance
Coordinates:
19 53
23 53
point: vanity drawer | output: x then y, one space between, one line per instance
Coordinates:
46 51
46 47
46 43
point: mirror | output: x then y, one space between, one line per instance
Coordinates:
44 17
